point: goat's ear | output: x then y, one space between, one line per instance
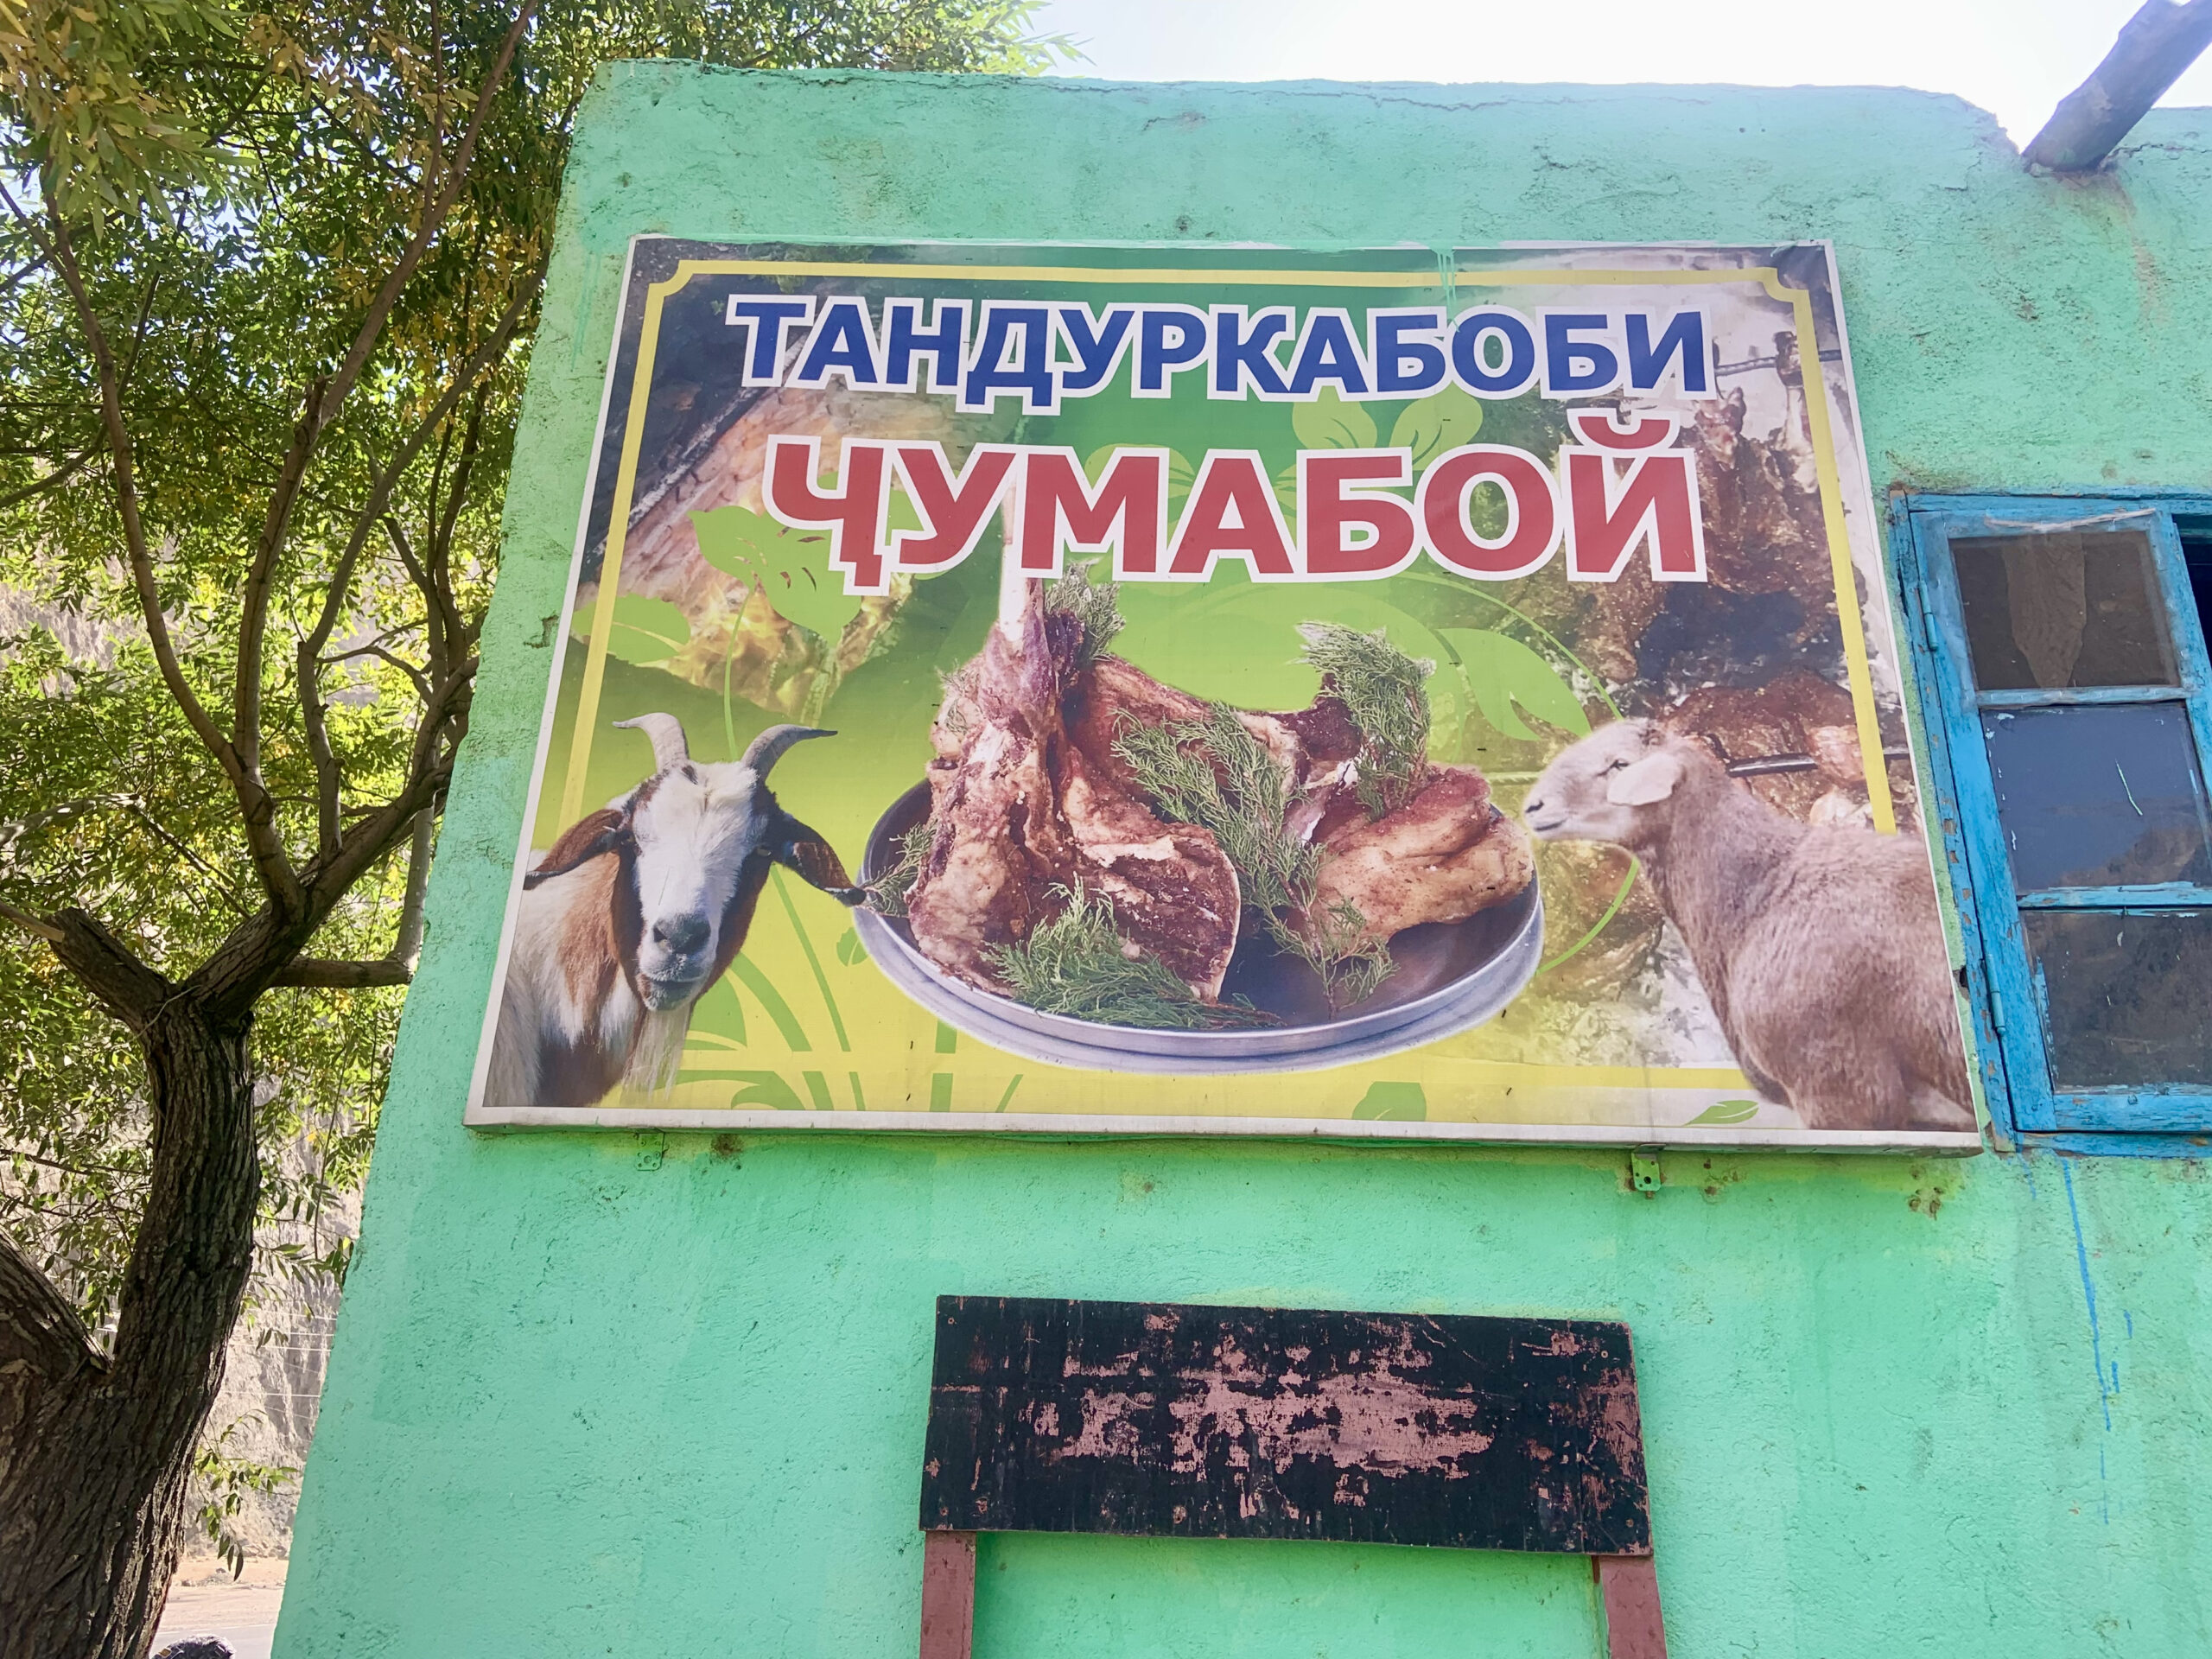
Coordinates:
1652 779
587 838
795 847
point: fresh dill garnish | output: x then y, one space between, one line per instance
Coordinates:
1385 693
1078 964
886 894
1073 594
1212 772
1337 946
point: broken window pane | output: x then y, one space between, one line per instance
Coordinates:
2064 608
2099 795
2128 995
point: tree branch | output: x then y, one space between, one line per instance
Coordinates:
408 946
130 990
107 1171
329 806
11 834
384 655
39 1329
2155 47
319 972
326 397
59 476
452 636
30 923
398 966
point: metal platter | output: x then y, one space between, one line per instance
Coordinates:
1451 976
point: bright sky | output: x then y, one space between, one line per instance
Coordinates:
2016 58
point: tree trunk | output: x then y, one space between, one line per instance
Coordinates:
94 1452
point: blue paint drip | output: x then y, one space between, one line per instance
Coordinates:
2089 1295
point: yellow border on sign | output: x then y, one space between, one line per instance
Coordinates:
1849 613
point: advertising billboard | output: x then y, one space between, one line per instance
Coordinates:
1167 689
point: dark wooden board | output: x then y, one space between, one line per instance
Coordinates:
1156 1418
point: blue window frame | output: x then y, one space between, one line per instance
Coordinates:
2059 646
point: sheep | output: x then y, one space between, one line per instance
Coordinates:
1818 946
635 910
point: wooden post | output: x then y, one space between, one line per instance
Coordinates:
948 1594
1629 1585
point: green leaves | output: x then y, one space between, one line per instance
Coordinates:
768 1089
788 567
644 631
1442 420
1393 1103
1725 1112
99 96
1507 679
1330 423
739 541
1181 474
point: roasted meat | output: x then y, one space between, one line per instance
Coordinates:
1036 794
1443 855
1024 817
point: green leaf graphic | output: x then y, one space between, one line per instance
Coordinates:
1181 474
767 1089
1393 1103
1442 420
791 567
646 631
736 539
1728 1111
1501 673
1330 423
1236 641
850 951
813 597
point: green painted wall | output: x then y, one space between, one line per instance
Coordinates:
585 1402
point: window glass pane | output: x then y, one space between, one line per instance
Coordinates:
2196 555
2099 795
2064 608
2128 995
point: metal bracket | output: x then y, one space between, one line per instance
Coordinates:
652 1145
1643 1170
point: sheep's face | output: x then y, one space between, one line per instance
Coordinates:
1606 787
692 829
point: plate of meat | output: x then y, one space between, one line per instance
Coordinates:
1100 870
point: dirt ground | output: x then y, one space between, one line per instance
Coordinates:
205 1600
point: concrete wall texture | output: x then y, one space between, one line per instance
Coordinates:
586 1399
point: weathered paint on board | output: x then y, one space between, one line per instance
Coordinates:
1250 1422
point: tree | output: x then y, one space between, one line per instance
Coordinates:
266 283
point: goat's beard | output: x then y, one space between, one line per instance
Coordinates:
657 1050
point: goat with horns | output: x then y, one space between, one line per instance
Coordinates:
635 910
